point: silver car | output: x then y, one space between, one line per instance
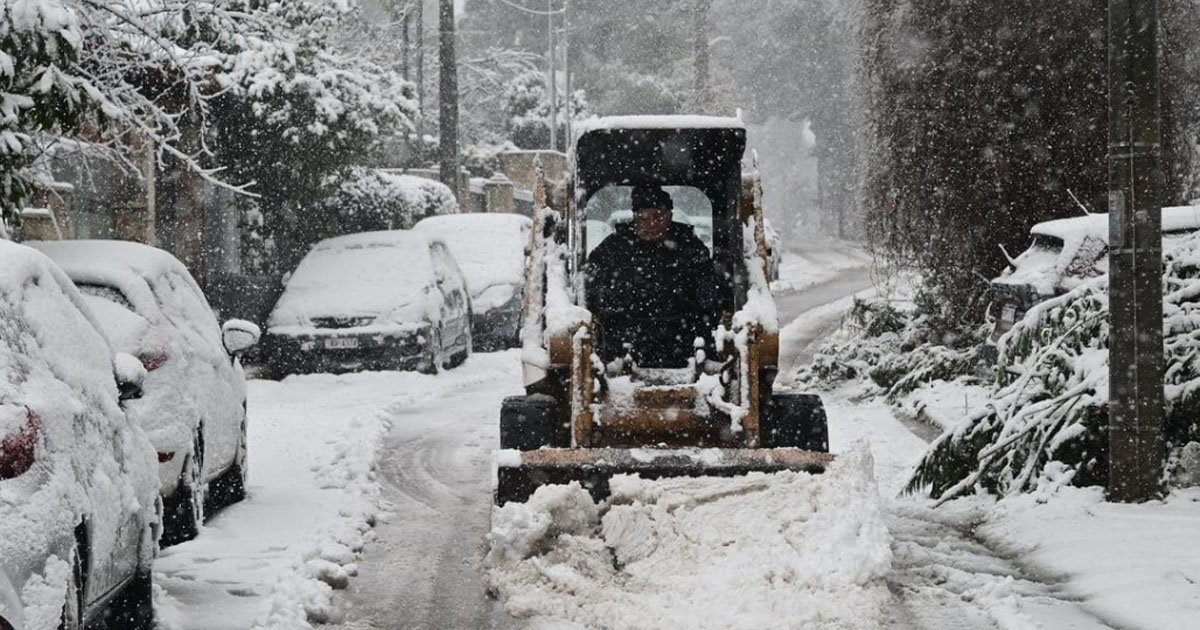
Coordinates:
78 488
376 300
194 408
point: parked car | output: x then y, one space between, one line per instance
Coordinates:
490 249
194 408
79 515
1064 253
376 300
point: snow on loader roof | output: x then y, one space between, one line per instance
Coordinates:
658 122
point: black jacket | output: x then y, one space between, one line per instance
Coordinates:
657 296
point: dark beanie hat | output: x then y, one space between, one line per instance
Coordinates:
651 197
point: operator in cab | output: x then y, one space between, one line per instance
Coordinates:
651 286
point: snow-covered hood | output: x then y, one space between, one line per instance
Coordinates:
375 282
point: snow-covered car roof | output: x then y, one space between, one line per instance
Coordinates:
124 265
1050 267
658 122
1174 219
365 274
489 247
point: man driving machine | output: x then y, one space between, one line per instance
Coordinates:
651 286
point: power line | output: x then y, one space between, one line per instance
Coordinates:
532 11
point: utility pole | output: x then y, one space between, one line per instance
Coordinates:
420 20
448 97
405 43
700 49
551 79
569 106
1135 253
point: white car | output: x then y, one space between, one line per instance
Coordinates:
79 516
377 300
490 249
194 408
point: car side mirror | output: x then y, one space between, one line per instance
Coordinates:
239 335
130 376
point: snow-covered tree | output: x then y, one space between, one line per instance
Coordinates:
985 118
527 110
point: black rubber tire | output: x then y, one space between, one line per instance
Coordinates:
529 422
183 511
795 420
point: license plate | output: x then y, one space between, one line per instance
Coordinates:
341 343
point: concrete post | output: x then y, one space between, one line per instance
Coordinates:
498 195
1135 254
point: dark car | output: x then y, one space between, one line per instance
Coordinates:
377 300
490 248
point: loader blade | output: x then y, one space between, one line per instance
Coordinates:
520 473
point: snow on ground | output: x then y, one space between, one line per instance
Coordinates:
762 551
943 575
1134 566
272 560
944 404
805 265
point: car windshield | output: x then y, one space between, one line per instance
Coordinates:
108 293
612 206
359 279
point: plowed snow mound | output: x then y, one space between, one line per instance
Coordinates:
784 550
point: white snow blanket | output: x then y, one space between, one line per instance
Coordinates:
784 550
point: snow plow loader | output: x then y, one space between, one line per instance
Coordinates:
660 368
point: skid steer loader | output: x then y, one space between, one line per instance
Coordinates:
582 419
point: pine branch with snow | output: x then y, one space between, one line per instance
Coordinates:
1051 394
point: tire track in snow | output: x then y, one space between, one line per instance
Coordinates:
424 569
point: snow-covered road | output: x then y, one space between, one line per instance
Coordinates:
370 505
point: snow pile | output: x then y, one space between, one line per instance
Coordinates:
328 555
275 560
782 550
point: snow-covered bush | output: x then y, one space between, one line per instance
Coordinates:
894 348
373 199
528 108
1051 392
40 42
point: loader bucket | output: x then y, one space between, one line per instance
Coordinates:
520 473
